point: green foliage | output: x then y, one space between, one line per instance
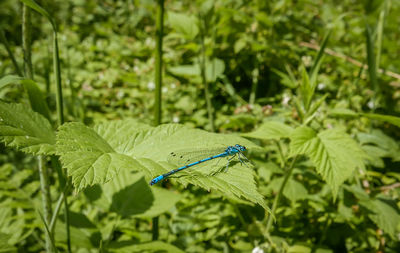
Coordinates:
32 4
333 152
319 101
150 246
184 24
271 130
26 130
89 159
95 156
128 194
36 97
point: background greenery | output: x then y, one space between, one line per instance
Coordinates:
311 88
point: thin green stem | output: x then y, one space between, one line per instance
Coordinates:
254 86
278 195
26 41
10 53
49 234
155 229
158 82
43 173
283 160
60 116
207 94
158 70
46 199
57 74
56 211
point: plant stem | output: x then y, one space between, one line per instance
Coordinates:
283 161
370 45
46 199
158 81
254 85
57 74
26 41
10 54
43 175
158 70
278 195
60 116
210 110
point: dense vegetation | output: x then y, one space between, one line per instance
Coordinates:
95 95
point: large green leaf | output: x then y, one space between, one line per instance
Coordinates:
25 130
270 130
335 154
95 156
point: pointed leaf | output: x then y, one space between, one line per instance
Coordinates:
333 152
318 60
25 130
307 91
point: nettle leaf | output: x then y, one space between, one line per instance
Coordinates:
94 155
335 154
25 130
270 130
88 157
385 214
238 181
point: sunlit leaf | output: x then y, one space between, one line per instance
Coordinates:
89 159
25 130
95 156
333 152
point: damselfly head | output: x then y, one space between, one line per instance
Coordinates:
240 147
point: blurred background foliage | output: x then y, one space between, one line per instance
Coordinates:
254 54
